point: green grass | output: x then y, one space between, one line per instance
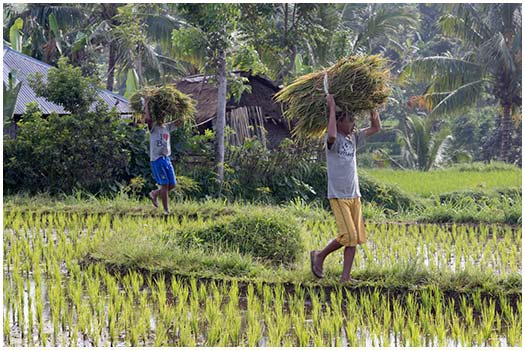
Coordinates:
138 242
495 207
426 184
105 271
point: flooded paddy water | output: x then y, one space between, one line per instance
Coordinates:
52 297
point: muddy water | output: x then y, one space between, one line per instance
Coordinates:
365 337
139 319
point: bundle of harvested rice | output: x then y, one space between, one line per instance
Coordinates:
358 83
165 103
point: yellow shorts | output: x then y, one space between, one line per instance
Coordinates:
349 219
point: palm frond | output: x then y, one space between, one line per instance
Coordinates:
149 56
453 26
172 68
497 56
405 140
457 101
446 73
474 18
510 14
67 16
386 23
437 146
159 29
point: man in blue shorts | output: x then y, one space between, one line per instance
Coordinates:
159 153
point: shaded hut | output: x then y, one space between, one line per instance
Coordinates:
256 114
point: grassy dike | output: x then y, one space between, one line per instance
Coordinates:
398 257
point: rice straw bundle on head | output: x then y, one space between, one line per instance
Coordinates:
358 83
166 104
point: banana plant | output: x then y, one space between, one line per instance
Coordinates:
11 91
423 147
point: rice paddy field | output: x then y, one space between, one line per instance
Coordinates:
97 274
434 182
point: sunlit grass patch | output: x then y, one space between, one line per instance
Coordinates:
435 182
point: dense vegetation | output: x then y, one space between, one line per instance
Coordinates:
88 261
151 44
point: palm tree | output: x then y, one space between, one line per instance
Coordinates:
144 42
43 28
423 143
282 32
491 34
136 38
377 27
213 25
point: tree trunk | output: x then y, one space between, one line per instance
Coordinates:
140 74
506 134
111 65
221 117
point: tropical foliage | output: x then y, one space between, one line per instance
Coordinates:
456 56
11 91
423 142
490 64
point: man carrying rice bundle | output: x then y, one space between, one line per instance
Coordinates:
342 141
159 152
163 109
359 84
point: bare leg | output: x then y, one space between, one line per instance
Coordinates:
164 196
347 263
322 254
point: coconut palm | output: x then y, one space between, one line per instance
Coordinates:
491 64
423 142
377 27
280 33
135 38
44 27
143 32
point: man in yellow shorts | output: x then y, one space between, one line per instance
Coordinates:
342 141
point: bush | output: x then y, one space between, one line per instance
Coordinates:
66 87
513 216
254 172
90 149
461 207
293 170
267 235
95 153
486 167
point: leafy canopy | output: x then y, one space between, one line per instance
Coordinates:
66 87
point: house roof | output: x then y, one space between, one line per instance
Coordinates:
25 65
205 94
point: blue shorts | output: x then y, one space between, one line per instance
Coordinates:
163 171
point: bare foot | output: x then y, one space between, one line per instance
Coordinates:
153 199
314 265
349 280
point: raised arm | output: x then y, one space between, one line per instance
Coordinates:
375 124
147 116
173 125
332 124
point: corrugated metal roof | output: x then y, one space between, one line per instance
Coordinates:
25 65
